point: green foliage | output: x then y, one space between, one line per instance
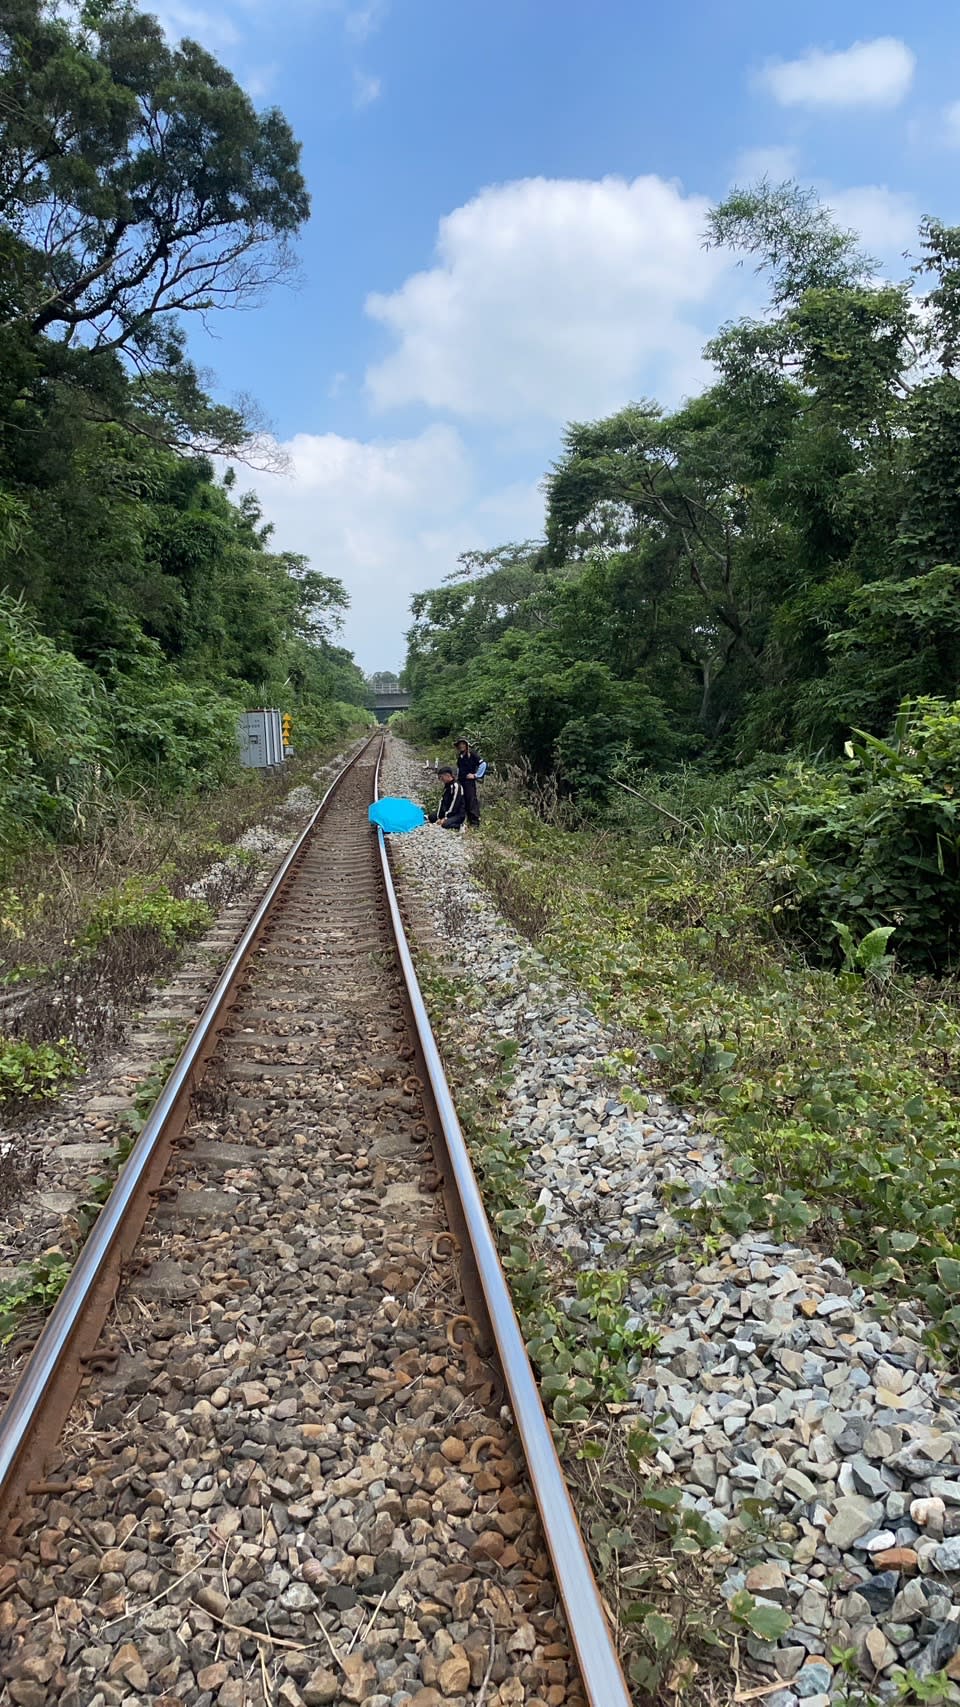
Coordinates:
36 1286
870 955
144 904
140 606
872 843
765 567
52 734
34 1072
142 184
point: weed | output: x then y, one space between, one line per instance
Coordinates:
837 1093
38 1284
656 1556
143 905
584 1347
32 1073
35 1287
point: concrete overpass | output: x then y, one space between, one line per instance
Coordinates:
384 704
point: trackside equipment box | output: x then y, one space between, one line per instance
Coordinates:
261 739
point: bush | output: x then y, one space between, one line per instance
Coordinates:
172 736
33 1072
874 840
319 723
142 904
53 737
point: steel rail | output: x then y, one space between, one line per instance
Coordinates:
24 1407
590 1633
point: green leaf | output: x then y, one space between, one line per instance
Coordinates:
660 1629
769 1623
948 1269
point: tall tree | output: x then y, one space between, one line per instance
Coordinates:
139 185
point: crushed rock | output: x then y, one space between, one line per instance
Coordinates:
776 1378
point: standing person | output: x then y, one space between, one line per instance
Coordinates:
470 767
451 812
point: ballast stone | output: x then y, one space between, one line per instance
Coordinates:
776 1379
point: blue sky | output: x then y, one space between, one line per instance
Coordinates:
508 201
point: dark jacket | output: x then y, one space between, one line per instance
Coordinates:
452 805
467 765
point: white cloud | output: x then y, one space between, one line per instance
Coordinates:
551 299
869 74
178 19
361 22
389 518
366 90
777 163
887 220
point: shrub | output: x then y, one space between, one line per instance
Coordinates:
52 731
175 737
836 1094
874 840
33 1072
143 904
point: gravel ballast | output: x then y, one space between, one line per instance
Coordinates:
297 1488
776 1380
71 1141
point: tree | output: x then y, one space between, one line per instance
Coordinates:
140 172
769 564
139 185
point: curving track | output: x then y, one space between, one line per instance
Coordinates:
273 1467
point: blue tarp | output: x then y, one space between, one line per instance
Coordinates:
396 815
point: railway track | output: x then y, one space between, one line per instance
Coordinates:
258 1454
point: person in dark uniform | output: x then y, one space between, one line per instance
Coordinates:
470 767
451 812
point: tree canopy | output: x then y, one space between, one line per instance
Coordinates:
762 568
138 186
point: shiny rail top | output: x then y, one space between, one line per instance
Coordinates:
589 1629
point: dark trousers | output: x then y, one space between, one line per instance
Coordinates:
472 802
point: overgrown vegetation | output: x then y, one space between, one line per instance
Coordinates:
836 1092
664 915
724 695
33 1072
86 926
138 904
141 607
658 1559
32 1292
726 686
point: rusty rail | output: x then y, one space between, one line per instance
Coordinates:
589 1629
38 1406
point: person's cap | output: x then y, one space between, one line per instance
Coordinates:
445 770
461 741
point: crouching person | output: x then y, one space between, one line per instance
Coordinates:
452 811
